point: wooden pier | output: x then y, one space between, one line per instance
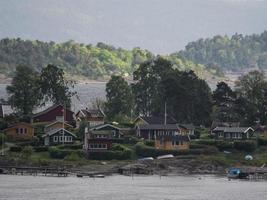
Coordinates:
45 171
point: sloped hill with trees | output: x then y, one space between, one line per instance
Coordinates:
228 53
94 62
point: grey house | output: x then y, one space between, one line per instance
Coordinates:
58 136
232 133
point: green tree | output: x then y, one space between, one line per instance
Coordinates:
224 99
55 87
119 98
147 86
251 92
24 91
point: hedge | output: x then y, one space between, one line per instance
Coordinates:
262 141
111 155
71 146
15 149
57 153
245 145
40 148
146 151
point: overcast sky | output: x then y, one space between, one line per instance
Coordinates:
161 26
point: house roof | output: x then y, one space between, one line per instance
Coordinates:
158 127
156 120
57 121
233 129
49 109
52 132
224 124
188 126
91 113
18 124
103 126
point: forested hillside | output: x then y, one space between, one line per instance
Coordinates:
95 62
235 53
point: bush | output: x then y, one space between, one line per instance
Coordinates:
72 157
262 141
118 140
111 155
130 140
15 149
224 145
118 147
206 141
26 152
71 146
150 143
2 138
57 153
146 151
246 145
40 148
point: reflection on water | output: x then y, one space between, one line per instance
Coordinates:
126 188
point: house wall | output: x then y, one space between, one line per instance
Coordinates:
53 114
17 136
53 142
98 141
168 145
231 136
115 132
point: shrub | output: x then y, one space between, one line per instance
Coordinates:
245 145
40 148
130 140
27 152
206 141
262 141
72 157
15 149
118 140
70 146
111 155
57 153
150 143
224 145
118 147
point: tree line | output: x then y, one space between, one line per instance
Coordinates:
228 53
95 62
188 99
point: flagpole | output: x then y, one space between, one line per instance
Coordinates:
63 123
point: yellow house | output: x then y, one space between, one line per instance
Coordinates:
177 142
20 132
56 125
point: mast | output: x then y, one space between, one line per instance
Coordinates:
165 115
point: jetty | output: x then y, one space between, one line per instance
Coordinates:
249 172
45 171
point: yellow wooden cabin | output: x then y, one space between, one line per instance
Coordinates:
20 132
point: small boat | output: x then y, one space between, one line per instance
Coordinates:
165 156
98 176
145 159
236 173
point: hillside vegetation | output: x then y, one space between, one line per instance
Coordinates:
94 62
225 53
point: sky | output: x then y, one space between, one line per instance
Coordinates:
161 26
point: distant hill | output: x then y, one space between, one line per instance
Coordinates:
94 62
222 52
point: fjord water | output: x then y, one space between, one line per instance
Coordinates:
127 188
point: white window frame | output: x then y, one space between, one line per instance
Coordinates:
55 138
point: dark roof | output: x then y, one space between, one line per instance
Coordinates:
92 112
158 127
188 126
158 120
232 129
52 132
49 109
100 126
224 124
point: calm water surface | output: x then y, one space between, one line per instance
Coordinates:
126 188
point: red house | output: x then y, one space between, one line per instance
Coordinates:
53 113
98 141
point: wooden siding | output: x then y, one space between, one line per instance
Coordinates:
20 132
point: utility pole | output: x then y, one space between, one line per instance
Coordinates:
165 114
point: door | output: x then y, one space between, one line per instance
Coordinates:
46 142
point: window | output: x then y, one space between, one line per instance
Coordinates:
55 138
25 130
177 142
173 143
60 138
21 130
17 130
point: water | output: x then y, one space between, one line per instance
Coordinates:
126 188
86 93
